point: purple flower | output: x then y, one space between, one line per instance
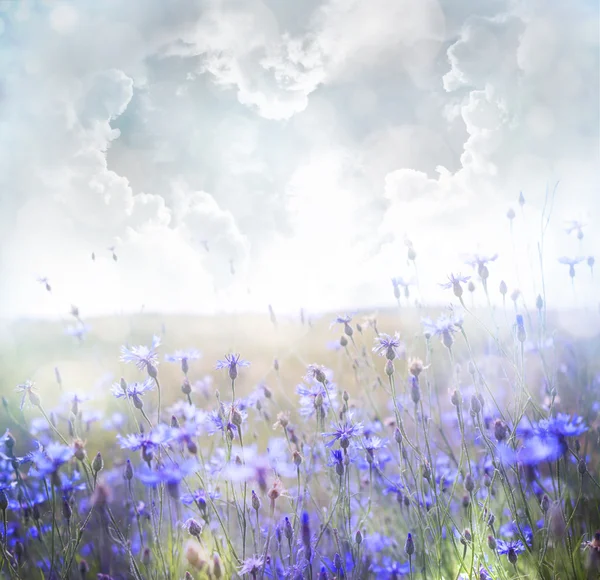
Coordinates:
388 346
49 459
232 362
511 549
133 390
144 358
152 440
390 569
571 262
28 390
344 433
183 357
252 565
455 283
170 474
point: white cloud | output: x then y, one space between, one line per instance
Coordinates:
301 142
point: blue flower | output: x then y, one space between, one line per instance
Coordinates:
144 357
152 440
390 569
171 475
49 459
388 346
133 390
309 394
511 549
343 433
232 362
183 357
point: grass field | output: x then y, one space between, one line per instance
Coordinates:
426 443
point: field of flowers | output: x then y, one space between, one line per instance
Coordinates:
413 443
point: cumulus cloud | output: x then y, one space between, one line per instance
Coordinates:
237 152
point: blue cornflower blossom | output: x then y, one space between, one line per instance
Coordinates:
575 226
49 459
344 433
512 549
183 357
147 442
28 389
144 357
252 565
232 362
315 392
390 569
455 282
399 282
445 327
171 475
388 346
571 262
132 390
546 439
198 497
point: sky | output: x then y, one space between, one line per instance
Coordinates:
241 153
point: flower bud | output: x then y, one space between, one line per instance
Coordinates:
500 430
343 341
67 510
255 501
186 388
358 537
389 368
582 467
469 483
128 471
98 463
217 566
475 406
492 543
409 546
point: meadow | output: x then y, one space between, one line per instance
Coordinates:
413 442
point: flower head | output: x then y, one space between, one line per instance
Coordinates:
232 362
388 346
344 433
144 357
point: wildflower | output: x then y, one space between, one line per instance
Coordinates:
232 362
343 433
399 282
455 282
409 546
571 262
480 262
252 565
511 549
193 527
144 357
575 226
503 288
337 461
183 357
445 327
345 320
316 397
28 389
133 391
49 459
521 199
44 281
388 346
171 475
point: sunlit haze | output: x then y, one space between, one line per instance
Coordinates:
241 154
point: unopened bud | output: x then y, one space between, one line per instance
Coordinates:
469 483
98 463
358 537
409 546
492 543
389 368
